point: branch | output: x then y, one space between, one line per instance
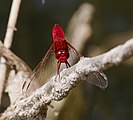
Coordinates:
12 23
8 41
18 72
32 107
79 28
12 59
78 32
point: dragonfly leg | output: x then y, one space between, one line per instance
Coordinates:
24 84
67 64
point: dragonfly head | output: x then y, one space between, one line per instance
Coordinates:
57 33
62 56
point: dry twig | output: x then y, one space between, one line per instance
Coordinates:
8 41
13 60
79 28
78 32
35 106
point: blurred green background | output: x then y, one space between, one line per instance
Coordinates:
111 25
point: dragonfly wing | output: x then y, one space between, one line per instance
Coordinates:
73 58
98 79
42 72
72 47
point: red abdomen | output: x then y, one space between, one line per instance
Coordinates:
57 33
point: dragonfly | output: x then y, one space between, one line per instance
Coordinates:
61 49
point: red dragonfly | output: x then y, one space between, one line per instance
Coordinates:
61 48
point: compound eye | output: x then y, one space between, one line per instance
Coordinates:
59 52
63 52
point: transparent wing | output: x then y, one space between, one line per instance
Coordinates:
74 55
45 70
98 79
42 73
